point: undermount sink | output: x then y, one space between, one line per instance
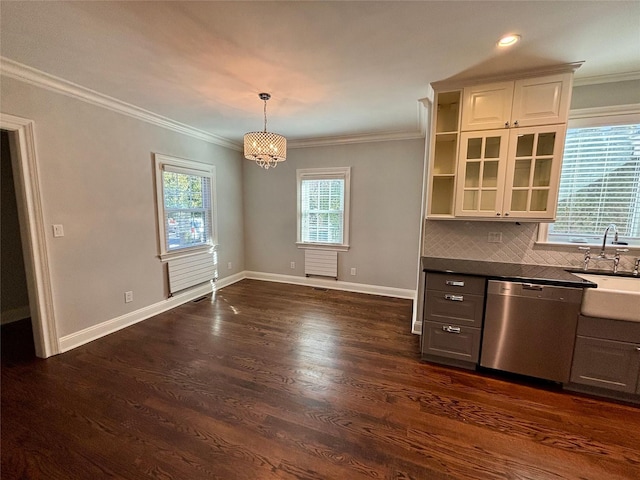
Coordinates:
617 298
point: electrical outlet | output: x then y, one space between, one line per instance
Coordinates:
293 265
128 296
229 265
494 237
58 231
353 271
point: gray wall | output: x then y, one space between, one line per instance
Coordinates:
606 94
14 298
468 240
97 179
385 212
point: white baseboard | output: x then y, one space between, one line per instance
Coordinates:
69 342
87 335
333 284
230 280
15 314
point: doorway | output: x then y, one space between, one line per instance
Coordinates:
24 170
16 333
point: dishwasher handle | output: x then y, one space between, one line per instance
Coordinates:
532 286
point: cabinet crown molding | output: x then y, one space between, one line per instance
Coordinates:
457 83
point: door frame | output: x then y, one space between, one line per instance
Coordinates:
32 232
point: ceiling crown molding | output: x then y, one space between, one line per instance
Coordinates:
617 77
420 132
351 139
12 69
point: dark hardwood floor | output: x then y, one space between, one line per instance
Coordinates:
275 381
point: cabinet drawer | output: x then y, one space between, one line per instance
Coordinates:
606 364
451 341
608 329
458 308
447 282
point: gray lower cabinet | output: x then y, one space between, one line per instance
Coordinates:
452 322
451 341
606 363
461 309
607 355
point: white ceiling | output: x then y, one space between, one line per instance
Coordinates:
333 68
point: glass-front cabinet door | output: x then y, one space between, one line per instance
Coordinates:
481 173
535 156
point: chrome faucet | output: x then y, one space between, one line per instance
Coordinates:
604 239
587 257
616 258
603 254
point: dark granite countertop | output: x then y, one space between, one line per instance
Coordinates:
541 274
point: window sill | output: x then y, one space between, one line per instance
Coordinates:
323 246
187 252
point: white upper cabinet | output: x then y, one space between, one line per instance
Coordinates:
496 146
482 165
504 174
487 106
520 103
541 101
443 156
533 172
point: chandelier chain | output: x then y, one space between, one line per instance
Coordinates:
265 116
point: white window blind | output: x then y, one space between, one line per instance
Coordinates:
599 183
187 209
323 210
323 207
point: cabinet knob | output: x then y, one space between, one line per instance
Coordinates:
506 214
516 124
497 214
506 124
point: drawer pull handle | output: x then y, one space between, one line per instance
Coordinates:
454 298
455 283
450 329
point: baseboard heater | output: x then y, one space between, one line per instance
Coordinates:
323 263
190 271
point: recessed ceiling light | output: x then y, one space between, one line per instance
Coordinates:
509 40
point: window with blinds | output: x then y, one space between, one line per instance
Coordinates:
186 214
599 184
323 199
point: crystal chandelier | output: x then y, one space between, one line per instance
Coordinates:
265 148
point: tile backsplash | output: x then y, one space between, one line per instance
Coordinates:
469 240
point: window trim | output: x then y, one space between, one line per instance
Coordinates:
593 241
595 117
190 167
321 174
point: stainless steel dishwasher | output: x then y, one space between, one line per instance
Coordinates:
530 329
